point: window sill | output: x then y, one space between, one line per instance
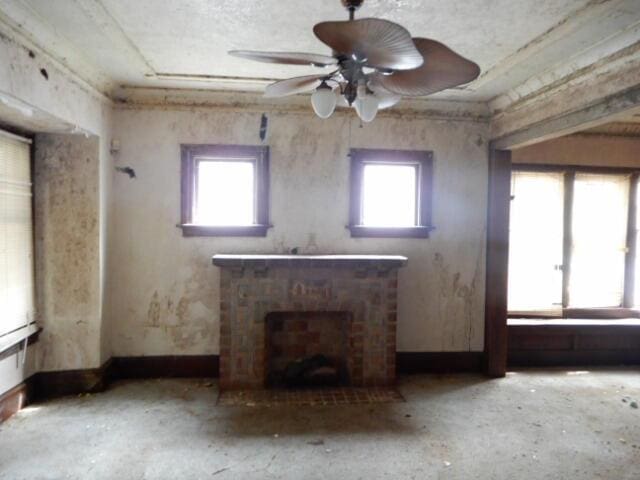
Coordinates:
9 340
192 230
585 314
361 231
573 325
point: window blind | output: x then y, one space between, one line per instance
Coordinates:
17 302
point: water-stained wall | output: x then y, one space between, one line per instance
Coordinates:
163 295
67 221
72 208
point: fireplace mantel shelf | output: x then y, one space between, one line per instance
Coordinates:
301 261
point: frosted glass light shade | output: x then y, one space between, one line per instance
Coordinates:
366 107
323 101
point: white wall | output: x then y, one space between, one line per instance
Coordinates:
156 273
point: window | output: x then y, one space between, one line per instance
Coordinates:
225 190
17 304
535 241
599 240
572 241
390 193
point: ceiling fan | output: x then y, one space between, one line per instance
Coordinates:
375 62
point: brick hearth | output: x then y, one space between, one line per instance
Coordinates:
253 286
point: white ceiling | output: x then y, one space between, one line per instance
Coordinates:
130 42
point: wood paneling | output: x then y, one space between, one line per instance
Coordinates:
585 344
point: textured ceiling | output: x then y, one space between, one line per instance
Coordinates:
193 36
130 42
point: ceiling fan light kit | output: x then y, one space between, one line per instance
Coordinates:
374 63
324 100
366 104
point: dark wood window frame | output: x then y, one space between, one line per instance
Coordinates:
423 162
190 155
625 310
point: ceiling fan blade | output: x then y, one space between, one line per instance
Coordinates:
385 98
382 43
288 58
294 85
443 68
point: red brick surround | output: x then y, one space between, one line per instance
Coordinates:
251 287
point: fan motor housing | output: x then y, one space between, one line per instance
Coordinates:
352 4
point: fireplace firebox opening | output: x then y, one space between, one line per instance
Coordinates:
308 349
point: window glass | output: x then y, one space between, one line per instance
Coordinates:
389 195
535 242
225 193
599 229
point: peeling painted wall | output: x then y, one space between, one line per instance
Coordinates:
75 335
164 292
67 221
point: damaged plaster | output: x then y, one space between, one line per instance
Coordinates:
164 296
67 245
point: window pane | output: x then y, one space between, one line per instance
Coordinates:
389 195
599 231
535 241
225 193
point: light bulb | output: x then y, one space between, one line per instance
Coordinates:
366 105
323 101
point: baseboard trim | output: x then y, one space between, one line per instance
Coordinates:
46 385
439 362
70 382
15 399
207 365
165 366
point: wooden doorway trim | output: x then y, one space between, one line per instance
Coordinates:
495 336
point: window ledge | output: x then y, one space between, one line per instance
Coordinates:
602 313
573 326
193 230
564 322
361 231
11 339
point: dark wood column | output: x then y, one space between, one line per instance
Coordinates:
495 336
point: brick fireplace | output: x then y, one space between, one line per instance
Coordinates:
275 308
